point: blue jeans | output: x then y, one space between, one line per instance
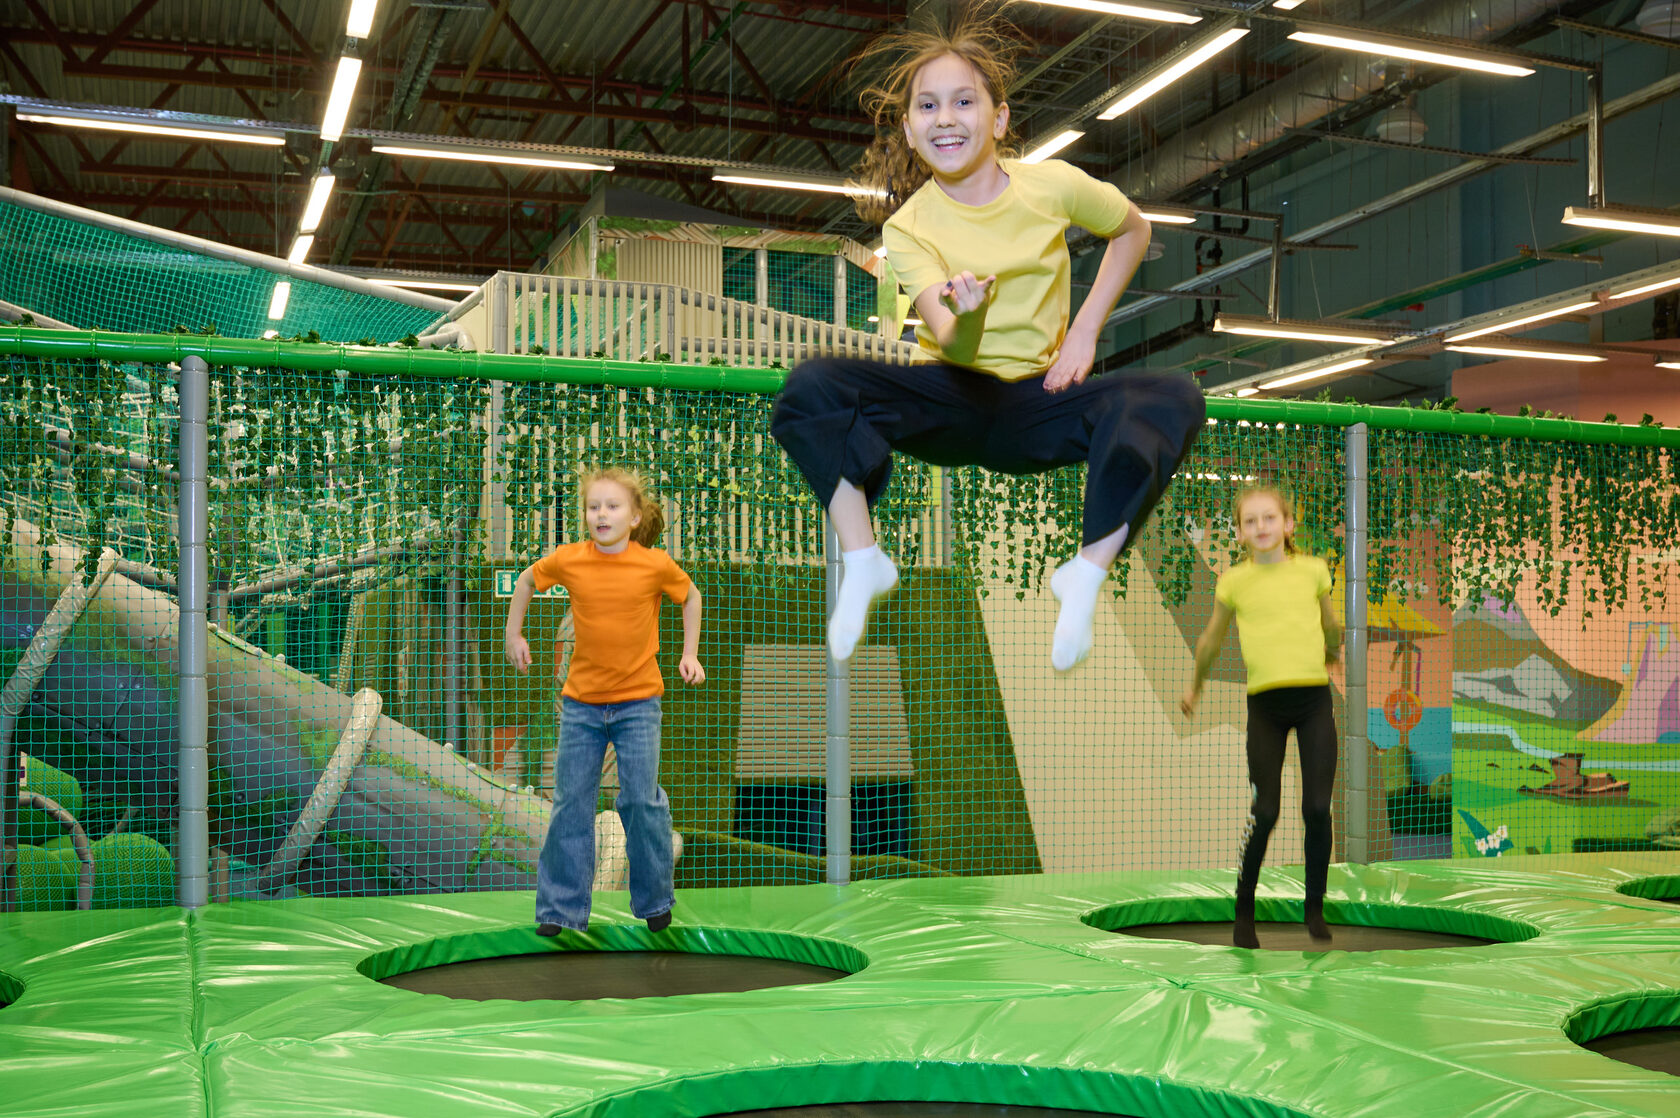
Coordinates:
566 868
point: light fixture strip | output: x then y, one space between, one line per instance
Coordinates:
1511 324
338 101
1051 146
278 300
1172 71
1542 354
300 247
790 182
1658 222
513 158
1646 289
1415 51
1125 11
1300 331
319 191
156 129
360 22
1166 217
438 285
1321 371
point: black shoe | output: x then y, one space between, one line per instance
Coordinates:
659 923
1314 915
1242 926
549 931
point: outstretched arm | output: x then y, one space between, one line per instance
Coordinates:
956 313
1207 650
1119 263
689 667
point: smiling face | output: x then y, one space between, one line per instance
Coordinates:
951 121
1263 527
609 512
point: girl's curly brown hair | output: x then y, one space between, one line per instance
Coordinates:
890 170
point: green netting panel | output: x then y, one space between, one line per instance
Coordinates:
860 298
99 279
740 269
801 283
366 528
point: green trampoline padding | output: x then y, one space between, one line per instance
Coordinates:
982 990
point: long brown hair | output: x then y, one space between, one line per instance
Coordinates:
1283 501
890 170
642 500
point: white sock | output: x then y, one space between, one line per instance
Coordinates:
868 574
1075 585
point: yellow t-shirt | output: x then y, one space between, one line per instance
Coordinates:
615 616
1278 616
1019 236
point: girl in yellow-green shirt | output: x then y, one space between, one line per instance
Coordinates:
979 242
1280 600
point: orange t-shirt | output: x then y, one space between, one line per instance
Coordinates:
615 616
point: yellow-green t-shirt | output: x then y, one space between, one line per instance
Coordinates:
1279 620
1019 236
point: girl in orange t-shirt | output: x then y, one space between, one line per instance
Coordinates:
615 580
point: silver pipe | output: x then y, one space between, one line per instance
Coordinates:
223 252
454 614
1357 846
1563 130
193 832
838 715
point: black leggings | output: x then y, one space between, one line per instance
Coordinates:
1310 712
841 417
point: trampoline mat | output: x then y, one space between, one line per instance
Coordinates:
583 975
1653 1049
1280 936
919 1110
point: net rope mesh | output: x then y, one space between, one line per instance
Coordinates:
96 278
1519 641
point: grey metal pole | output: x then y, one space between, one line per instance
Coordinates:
1595 138
192 858
761 277
1274 284
1358 822
947 520
454 618
838 715
839 290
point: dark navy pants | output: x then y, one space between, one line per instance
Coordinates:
842 417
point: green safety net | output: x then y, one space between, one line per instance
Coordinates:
801 283
369 511
1005 991
97 278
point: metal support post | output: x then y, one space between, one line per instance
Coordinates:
193 640
838 770
1357 824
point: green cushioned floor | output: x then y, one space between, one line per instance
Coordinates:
1008 990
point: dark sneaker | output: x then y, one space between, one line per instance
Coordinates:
549 931
659 923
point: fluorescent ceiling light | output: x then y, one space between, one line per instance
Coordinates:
1506 347
1165 217
1417 50
1126 11
514 157
338 101
1300 331
300 248
428 285
157 129
1153 83
1248 390
1286 5
361 18
268 334
1321 371
319 191
1646 289
277 301
881 251
1664 223
1501 327
1051 146
783 181
1668 364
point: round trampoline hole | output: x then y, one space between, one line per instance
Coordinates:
616 962
10 989
1359 926
1663 887
1653 1049
919 1110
